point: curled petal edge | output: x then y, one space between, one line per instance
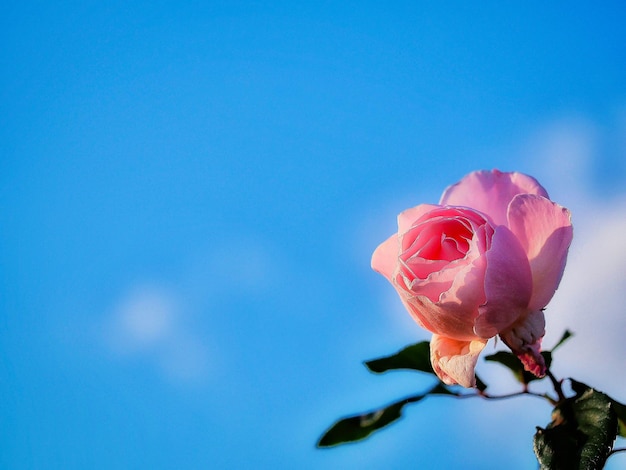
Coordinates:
385 257
490 192
454 360
545 231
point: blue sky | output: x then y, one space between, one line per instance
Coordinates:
190 193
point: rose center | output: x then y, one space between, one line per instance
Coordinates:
448 243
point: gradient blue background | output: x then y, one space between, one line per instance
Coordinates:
190 193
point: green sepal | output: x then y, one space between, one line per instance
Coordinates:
414 357
358 427
581 433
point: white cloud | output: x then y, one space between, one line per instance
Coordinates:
561 154
143 318
590 300
563 151
162 325
148 322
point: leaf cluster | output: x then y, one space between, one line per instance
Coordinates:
359 426
580 435
582 431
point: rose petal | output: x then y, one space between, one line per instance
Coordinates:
490 192
432 286
409 217
385 257
544 230
524 339
451 320
466 289
454 361
508 284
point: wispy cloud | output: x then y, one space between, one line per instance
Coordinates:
564 156
149 322
144 318
589 301
590 298
166 325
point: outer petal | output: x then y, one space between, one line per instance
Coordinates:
452 321
408 217
467 289
545 231
385 257
508 284
490 192
524 339
454 361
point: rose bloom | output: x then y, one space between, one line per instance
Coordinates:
484 262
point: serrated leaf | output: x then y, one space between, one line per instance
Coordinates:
358 427
414 357
580 435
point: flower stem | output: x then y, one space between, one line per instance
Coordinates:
486 396
558 388
545 396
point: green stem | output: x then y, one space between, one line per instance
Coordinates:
557 385
486 396
545 396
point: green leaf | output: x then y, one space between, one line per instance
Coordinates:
620 411
480 385
581 433
510 361
358 427
355 428
619 408
567 335
578 387
414 357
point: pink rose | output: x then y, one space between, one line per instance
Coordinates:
484 262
